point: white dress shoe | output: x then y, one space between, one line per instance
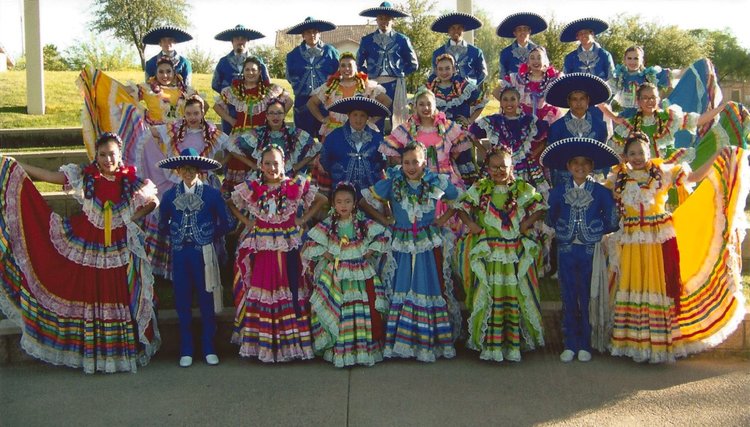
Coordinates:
186 361
567 356
584 356
212 359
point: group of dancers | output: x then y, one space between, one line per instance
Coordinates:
449 210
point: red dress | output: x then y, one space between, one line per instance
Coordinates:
84 299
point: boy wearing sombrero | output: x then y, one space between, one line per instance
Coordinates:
191 217
470 63
308 67
229 67
589 57
350 153
519 26
387 57
581 211
166 37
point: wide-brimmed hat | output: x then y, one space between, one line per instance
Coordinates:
310 23
155 35
359 103
558 90
535 22
469 22
557 154
189 157
385 8
238 31
596 25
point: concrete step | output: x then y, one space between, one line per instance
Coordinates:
738 343
40 137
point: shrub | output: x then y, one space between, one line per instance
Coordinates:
100 53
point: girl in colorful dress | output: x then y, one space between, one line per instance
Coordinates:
348 301
424 318
523 134
300 149
81 288
631 74
249 97
455 96
344 83
673 297
163 94
272 320
444 139
531 81
504 296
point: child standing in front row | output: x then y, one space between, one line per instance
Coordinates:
581 211
348 301
272 320
505 315
194 215
424 318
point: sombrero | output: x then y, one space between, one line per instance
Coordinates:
238 31
531 20
466 20
569 32
557 154
189 157
558 90
309 23
155 35
360 103
385 8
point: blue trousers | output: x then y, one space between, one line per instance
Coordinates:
390 90
188 278
574 264
303 119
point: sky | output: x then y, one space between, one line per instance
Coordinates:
65 21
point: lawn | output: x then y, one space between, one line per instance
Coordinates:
64 102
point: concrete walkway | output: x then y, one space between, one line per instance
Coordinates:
700 390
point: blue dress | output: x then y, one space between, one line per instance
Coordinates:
306 69
341 158
424 318
470 62
182 67
513 56
597 61
625 83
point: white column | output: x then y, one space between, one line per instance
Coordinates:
34 61
466 6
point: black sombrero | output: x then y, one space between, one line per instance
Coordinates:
155 35
469 22
568 33
189 157
558 90
309 23
531 20
238 31
557 154
385 8
359 103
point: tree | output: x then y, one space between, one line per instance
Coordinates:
486 40
424 40
550 39
99 54
130 20
53 60
201 61
730 59
274 57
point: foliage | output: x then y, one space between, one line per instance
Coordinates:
274 58
200 60
130 20
550 39
729 58
486 40
53 60
424 40
100 54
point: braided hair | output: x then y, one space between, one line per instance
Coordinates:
360 224
195 100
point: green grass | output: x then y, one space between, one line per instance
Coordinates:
63 101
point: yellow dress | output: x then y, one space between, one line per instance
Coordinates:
677 283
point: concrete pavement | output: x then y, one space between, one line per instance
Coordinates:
699 390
